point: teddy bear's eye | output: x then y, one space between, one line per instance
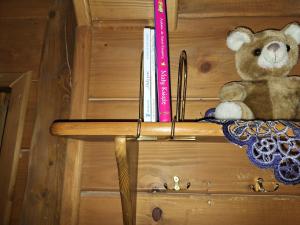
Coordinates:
257 52
288 48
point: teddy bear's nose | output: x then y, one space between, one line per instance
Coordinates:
273 47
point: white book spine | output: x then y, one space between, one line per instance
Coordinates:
153 78
147 79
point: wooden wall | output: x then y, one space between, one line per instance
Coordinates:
24 31
220 173
23 25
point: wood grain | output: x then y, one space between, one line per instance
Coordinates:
116 56
82 11
4 101
126 156
14 34
19 188
30 116
120 9
101 208
224 8
79 101
25 9
141 10
172 7
44 188
128 109
210 167
11 144
93 129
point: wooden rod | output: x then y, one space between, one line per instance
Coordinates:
130 129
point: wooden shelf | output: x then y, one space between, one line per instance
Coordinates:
126 149
85 129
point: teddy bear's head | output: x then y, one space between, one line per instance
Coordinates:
269 53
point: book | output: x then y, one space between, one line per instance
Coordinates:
162 61
153 78
147 79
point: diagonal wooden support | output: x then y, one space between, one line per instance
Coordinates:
127 161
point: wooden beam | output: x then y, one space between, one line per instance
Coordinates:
82 11
12 141
79 102
42 198
127 156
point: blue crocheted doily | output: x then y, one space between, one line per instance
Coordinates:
270 144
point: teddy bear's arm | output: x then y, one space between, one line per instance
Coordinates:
233 91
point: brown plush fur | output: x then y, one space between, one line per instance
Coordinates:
269 93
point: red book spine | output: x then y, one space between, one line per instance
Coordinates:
162 61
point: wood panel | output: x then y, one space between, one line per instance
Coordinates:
225 8
4 101
30 116
12 141
21 45
104 208
128 109
19 188
116 56
210 167
120 9
137 10
82 11
42 199
25 9
79 101
108 212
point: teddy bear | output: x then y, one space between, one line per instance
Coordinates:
263 61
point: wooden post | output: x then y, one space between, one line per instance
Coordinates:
127 158
79 102
42 199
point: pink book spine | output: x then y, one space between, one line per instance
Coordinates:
162 61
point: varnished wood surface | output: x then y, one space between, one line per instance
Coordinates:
142 10
30 115
128 108
98 129
83 13
4 101
25 9
104 208
19 188
119 9
22 36
42 199
116 55
211 168
11 144
126 156
79 101
16 32
225 8
172 13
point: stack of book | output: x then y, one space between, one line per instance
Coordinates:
157 93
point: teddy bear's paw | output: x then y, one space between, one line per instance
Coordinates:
233 92
229 111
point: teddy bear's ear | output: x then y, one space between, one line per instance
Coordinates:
238 37
293 30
